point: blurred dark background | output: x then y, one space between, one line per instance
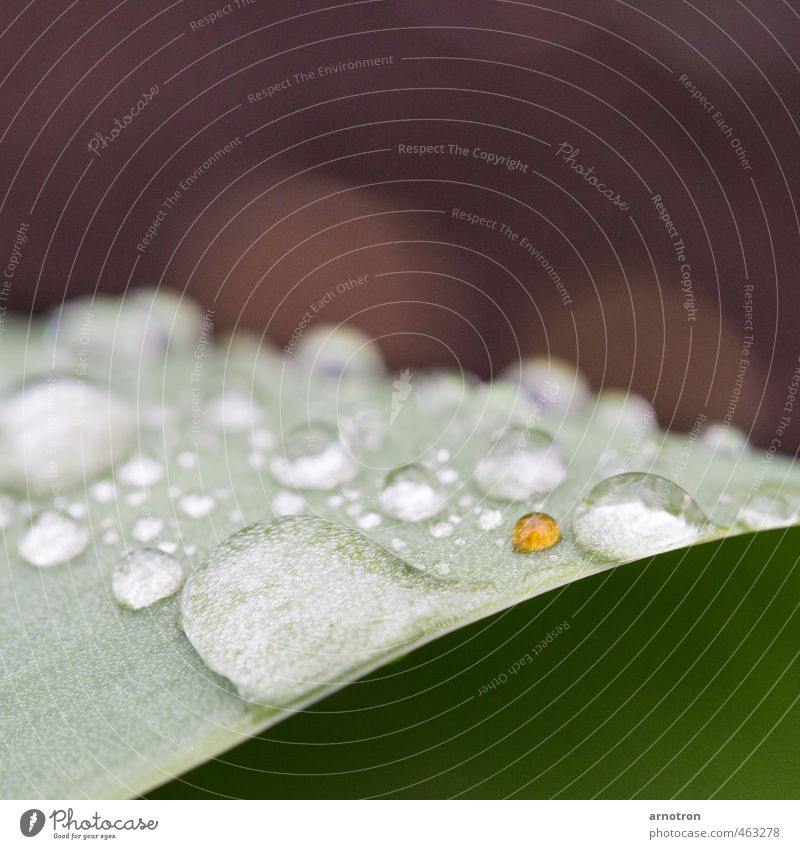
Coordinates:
267 181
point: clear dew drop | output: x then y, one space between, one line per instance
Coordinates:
145 576
447 392
773 506
624 412
233 412
365 432
144 325
329 351
521 463
724 441
550 384
53 539
147 528
299 605
634 515
410 493
140 471
313 458
57 434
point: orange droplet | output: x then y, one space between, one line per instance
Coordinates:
535 532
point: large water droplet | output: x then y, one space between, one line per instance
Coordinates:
410 493
522 462
633 515
773 506
329 351
297 605
58 433
313 458
365 432
52 539
145 576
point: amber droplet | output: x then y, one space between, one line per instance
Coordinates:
535 532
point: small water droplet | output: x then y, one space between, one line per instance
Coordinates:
56 434
399 544
187 459
365 433
147 528
633 515
442 569
409 494
550 384
52 539
773 506
287 503
441 529
197 506
447 476
623 411
145 576
535 532
103 492
726 441
446 392
488 520
329 351
313 459
141 471
522 462
369 520
233 412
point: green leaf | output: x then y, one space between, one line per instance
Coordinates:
200 441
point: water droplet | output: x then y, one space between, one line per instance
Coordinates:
535 532
369 520
100 330
409 494
773 506
301 601
725 441
313 459
399 544
447 476
441 529
329 351
187 459
141 471
59 433
103 492
365 433
287 503
633 515
522 462
197 506
52 539
623 411
446 392
488 520
233 412
550 384
145 576
442 569
147 529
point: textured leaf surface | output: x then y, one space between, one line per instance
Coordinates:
97 700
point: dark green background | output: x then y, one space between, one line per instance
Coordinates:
679 676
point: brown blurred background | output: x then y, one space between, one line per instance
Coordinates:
696 103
